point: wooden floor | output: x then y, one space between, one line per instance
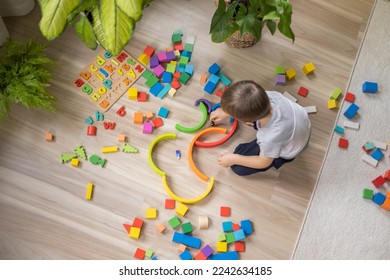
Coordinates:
43 213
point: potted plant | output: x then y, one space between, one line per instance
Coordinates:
105 22
240 22
24 76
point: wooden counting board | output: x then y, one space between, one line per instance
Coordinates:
106 78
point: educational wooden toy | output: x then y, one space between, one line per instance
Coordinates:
350 97
224 211
368 194
289 96
106 78
187 240
378 181
351 111
75 162
181 209
370 160
89 192
197 127
302 91
186 227
291 73
110 149
203 222
169 203
379 198
308 68
80 152
370 87
343 143
279 70
139 254
151 213
49 137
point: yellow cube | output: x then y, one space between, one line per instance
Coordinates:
132 93
333 104
290 73
182 248
134 232
308 68
172 92
222 246
181 209
144 59
151 213
75 162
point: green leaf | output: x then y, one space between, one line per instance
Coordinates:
271 27
112 27
222 26
85 32
285 28
272 16
55 16
132 8
250 24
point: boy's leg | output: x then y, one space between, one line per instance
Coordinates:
248 149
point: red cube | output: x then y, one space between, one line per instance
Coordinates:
303 91
350 97
379 181
343 143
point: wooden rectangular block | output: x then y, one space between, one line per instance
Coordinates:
88 195
138 118
289 96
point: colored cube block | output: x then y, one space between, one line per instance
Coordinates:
223 79
142 96
377 154
378 181
387 175
214 68
368 194
174 222
236 227
302 91
151 213
184 78
183 61
151 81
230 237
135 232
138 223
200 256
170 68
227 226
122 138
172 92
239 246
170 55
279 70
75 162
163 112
186 227
153 62
138 118
147 74
161 228
175 84
308 68
224 211
144 59
187 240
336 93
209 87
207 251
132 93
182 248
170 203
370 87
181 209
147 128
280 80
379 198
189 69
188 47
149 253
164 91
156 88
149 51
333 104
49 136
343 143
339 129
350 97
351 111
186 256
158 71
291 73
139 254
167 77
162 57
222 246
246 226
239 235
157 122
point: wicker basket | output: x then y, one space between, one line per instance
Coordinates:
236 40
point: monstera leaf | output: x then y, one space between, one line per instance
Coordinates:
109 23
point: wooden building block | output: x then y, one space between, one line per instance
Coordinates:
308 68
333 104
302 91
224 211
161 228
132 93
343 143
350 97
170 203
75 162
289 96
88 195
378 181
151 213
49 137
203 222
157 122
222 246
139 254
135 232
181 209
147 128
291 73
142 96
138 118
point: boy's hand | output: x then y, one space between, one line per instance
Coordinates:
226 160
218 115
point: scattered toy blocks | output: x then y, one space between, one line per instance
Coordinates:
88 195
368 194
75 162
279 70
280 80
246 226
239 246
351 111
110 149
203 222
187 240
174 222
186 227
350 97
291 73
157 122
339 129
170 203
49 137
139 254
163 112
91 130
135 232
138 118
142 96
379 198
333 104
181 209
214 68
161 228
336 93
377 154
147 128
222 246
138 223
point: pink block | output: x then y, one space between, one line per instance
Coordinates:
148 128
162 57
158 70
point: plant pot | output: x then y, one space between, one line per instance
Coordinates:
240 42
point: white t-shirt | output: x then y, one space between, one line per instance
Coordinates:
287 132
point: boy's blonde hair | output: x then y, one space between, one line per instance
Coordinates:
246 101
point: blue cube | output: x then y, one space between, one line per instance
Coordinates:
351 111
370 87
163 112
379 198
339 129
156 88
186 255
377 154
227 226
167 77
214 68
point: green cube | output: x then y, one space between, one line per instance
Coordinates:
184 77
147 74
280 70
336 93
368 194
151 81
221 237
183 61
174 222
171 68
230 237
149 253
188 47
176 38
186 227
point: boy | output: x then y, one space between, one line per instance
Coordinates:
283 127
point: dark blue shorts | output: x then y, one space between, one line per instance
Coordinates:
253 149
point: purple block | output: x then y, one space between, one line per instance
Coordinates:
153 62
280 80
171 55
207 251
158 70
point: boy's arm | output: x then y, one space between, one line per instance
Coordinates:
248 161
